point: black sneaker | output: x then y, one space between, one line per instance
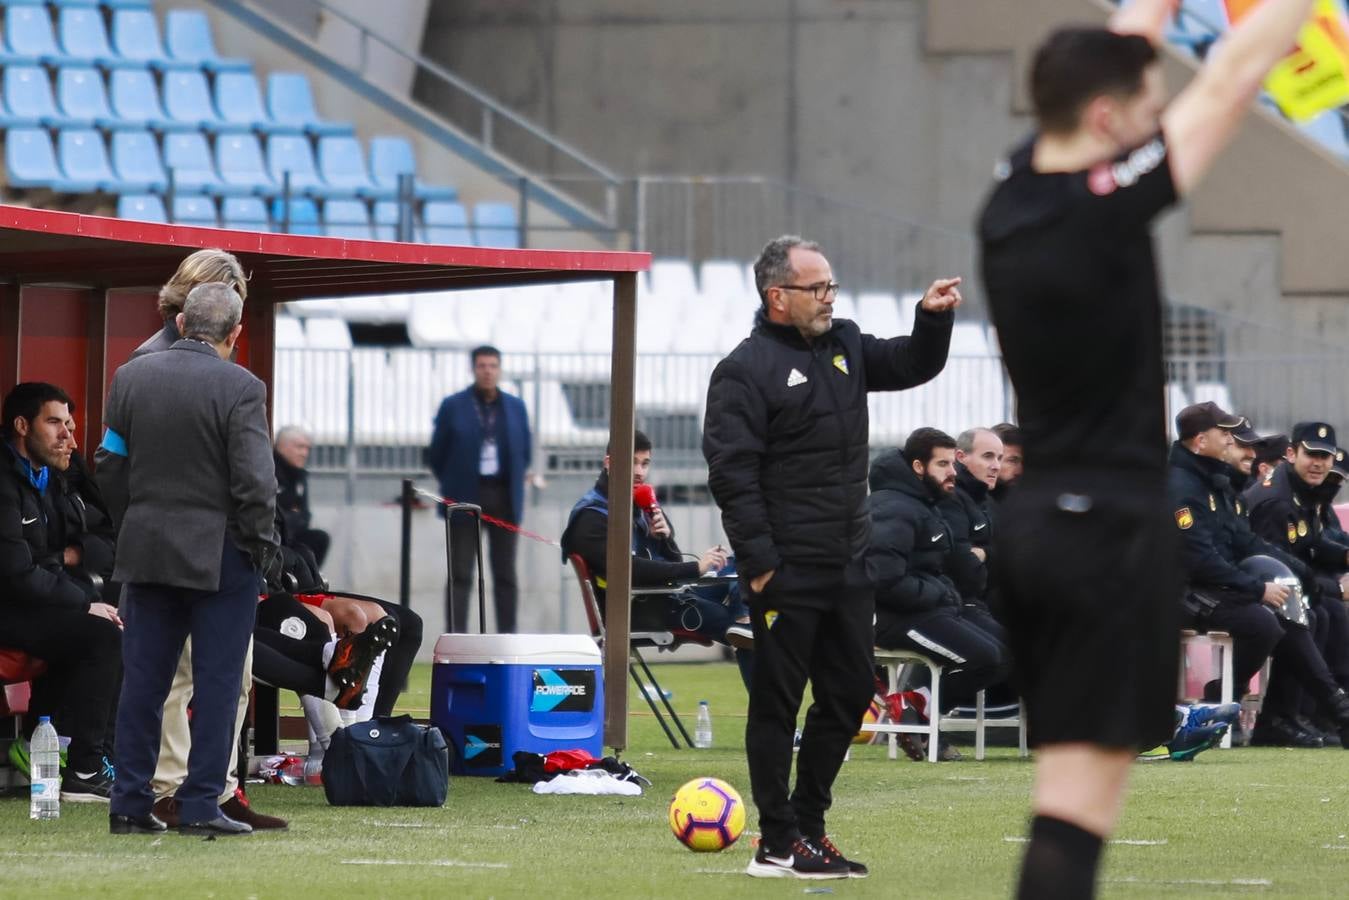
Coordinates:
855 868
802 860
97 788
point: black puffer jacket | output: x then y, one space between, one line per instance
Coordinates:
786 436
32 538
911 545
969 511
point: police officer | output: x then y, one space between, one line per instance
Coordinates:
1221 596
1330 489
1285 510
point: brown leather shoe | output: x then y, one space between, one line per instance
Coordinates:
237 808
166 811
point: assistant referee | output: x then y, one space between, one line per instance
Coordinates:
1090 577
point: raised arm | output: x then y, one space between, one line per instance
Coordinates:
1144 17
1203 118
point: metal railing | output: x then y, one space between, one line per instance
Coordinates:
511 146
732 217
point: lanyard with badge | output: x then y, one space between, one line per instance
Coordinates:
489 462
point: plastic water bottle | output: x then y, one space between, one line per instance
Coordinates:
44 756
702 730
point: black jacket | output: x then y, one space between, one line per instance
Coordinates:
969 512
786 433
86 520
1213 534
910 546
655 561
32 541
292 496
1286 512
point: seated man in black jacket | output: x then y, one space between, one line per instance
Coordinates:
291 454
657 561
44 610
90 539
968 509
917 605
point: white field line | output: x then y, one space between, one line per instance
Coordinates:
444 863
1130 842
378 824
1204 882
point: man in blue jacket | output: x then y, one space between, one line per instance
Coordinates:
480 451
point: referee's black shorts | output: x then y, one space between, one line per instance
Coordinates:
1088 568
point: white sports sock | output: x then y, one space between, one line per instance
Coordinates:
323 721
367 709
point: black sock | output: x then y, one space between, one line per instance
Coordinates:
1060 862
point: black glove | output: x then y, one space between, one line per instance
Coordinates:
278 580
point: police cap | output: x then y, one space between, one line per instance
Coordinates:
1318 437
1200 417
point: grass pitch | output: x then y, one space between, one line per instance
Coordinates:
1245 822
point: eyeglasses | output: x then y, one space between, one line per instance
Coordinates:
820 291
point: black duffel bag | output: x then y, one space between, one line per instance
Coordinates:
387 761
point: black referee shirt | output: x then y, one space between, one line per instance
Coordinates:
1072 285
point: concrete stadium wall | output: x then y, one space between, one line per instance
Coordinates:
901 105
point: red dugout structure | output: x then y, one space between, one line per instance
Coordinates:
78 294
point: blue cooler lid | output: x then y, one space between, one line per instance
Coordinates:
516 649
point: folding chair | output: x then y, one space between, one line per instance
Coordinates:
1221 642
896 662
647 685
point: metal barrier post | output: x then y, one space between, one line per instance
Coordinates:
405 500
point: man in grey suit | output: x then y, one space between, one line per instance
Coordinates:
187 447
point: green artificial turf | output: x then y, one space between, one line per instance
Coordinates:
1233 823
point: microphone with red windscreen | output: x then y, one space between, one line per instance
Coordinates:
644 495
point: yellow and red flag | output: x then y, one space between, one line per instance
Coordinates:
1314 77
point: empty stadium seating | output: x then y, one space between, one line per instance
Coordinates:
97 99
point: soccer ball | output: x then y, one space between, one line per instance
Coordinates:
870 717
707 814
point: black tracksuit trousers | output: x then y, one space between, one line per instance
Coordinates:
805 628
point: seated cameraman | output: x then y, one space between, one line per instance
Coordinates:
44 610
917 605
716 613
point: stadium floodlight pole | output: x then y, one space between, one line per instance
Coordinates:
618 604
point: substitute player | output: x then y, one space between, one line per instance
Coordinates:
1090 577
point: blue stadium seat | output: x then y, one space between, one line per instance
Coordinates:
240 103
1328 130
135 38
135 159
85 40
29 38
141 207
241 165
194 209
496 225
22 2
30 160
342 165
347 219
28 98
391 157
79 91
243 213
386 221
304 216
65 4
84 160
187 35
188 157
188 100
135 101
290 102
128 4
446 222
292 153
